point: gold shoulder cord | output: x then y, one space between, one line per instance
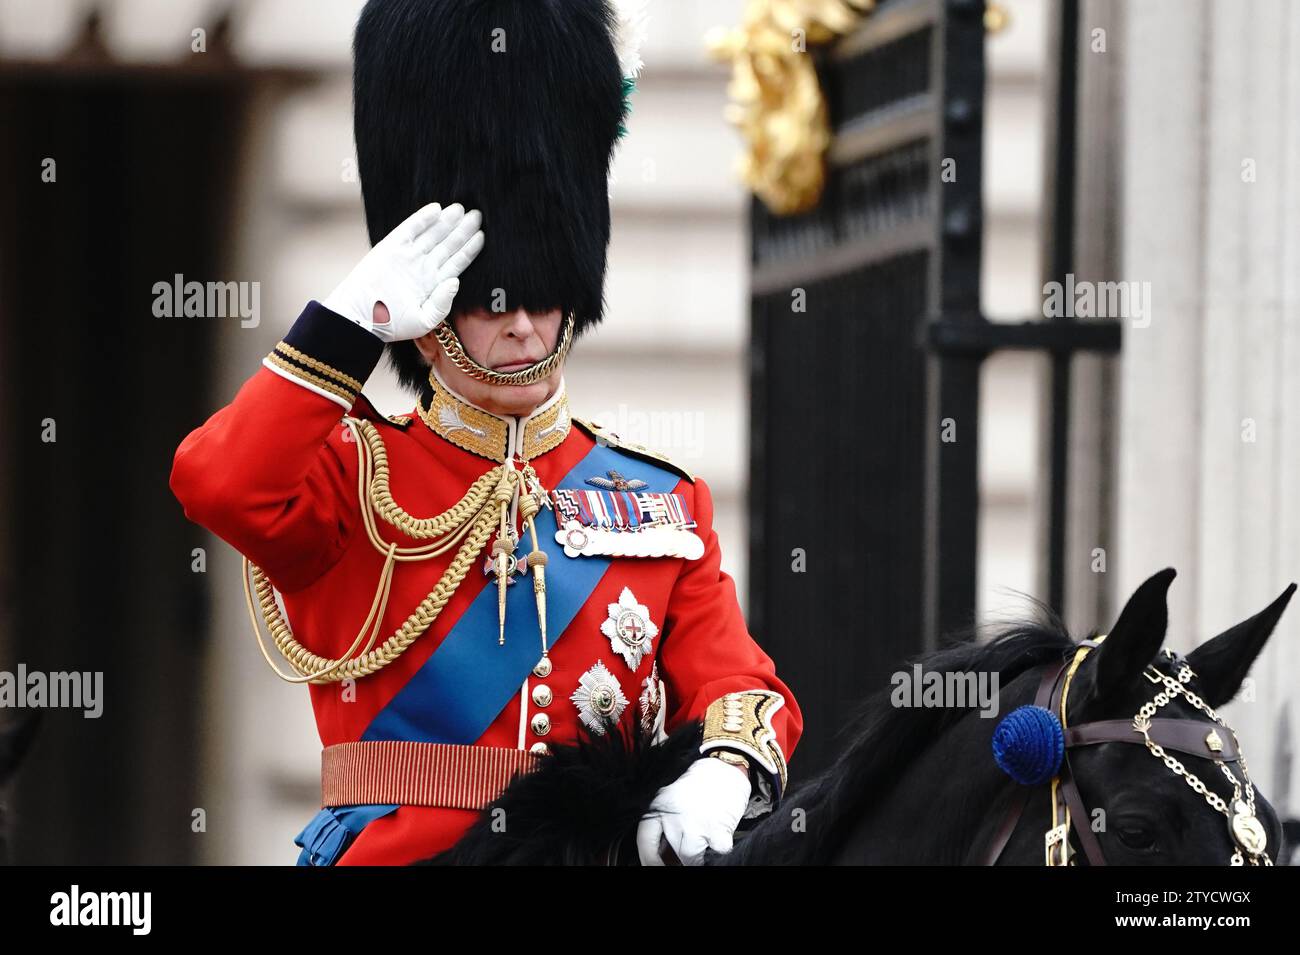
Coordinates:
472 518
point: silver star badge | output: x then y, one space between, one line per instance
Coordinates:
629 628
599 699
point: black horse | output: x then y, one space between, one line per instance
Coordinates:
921 785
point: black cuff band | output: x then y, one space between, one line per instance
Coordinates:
327 352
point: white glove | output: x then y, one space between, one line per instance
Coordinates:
413 271
700 810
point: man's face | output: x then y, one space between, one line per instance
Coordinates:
505 343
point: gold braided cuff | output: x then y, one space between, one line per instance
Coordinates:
326 353
743 722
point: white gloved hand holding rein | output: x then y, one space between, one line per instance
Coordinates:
404 287
700 810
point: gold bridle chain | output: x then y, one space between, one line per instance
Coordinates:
1142 723
473 518
455 351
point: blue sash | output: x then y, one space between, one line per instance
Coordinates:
466 683
332 830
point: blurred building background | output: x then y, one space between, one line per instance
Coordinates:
256 132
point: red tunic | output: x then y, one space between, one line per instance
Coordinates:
274 474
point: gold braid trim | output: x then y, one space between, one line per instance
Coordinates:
328 384
467 427
743 721
315 363
481 432
472 518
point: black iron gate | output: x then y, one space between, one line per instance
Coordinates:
867 346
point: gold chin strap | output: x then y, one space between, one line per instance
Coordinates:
535 372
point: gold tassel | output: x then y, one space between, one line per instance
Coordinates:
537 561
530 504
502 548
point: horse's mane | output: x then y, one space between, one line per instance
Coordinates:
591 795
883 738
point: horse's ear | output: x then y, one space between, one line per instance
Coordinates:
1136 637
1223 662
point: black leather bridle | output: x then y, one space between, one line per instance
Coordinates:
1160 736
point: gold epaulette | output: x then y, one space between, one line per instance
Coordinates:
610 439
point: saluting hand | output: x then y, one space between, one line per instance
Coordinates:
404 287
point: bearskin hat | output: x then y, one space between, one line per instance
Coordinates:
512 107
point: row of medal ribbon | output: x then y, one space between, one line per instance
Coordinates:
624 524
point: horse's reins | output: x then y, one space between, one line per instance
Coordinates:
1159 735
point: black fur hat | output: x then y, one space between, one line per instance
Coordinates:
511 107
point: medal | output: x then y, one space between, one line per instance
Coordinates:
599 699
651 702
629 628
617 523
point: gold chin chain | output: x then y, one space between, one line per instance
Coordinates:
470 521
535 372
1247 831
